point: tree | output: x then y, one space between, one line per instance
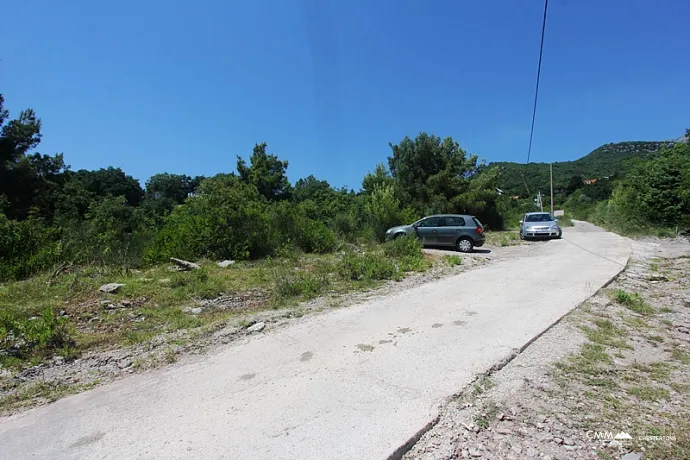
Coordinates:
176 187
28 182
437 174
310 188
576 183
111 182
379 178
266 172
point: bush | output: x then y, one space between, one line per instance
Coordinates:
26 248
227 220
383 210
369 266
313 236
23 336
404 247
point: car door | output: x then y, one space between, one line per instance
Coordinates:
427 231
450 228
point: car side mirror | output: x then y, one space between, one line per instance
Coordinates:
520 222
556 220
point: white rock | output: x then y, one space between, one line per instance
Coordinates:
257 327
193 310
110 287
225 263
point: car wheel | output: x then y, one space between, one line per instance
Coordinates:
522 237
560 234
464 245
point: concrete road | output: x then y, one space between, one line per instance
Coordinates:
355 383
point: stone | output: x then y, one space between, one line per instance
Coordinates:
541 426
226 263
558 440
568 441
126 303
124 363
683 329
503 430
632 456
193 310
570 447
615 444
185 265
256 327
110 287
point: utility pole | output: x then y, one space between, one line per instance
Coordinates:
551 170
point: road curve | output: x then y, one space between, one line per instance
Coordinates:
354 383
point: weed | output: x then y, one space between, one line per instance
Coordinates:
483 384
667 310
483 419
633 301
606 333
453 260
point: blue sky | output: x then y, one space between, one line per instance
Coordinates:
184 87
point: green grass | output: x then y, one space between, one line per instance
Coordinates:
40 391
453 260
633 302
649 393
606 333
680 355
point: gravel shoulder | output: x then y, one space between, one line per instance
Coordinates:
620 363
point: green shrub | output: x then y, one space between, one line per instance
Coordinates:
26 247
404 247
23 336
314 236
370 266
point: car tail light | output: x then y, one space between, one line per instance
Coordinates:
479 230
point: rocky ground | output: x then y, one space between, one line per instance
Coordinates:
617 365
49 381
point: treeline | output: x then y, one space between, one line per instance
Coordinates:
51 215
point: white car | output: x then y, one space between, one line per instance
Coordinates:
539 225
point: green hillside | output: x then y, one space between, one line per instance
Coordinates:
612 160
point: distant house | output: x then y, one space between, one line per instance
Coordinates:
589 181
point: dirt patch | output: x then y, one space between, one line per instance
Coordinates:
617 366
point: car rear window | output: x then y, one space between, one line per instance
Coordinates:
476 221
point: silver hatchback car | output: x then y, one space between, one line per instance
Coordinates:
539 225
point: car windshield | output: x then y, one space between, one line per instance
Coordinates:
538 218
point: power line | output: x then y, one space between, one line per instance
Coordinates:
536 90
